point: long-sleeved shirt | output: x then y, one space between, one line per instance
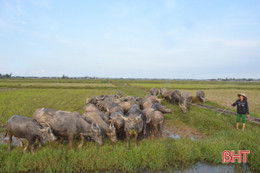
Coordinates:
242 106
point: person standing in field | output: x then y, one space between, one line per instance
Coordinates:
242 109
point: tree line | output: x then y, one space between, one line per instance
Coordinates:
5 75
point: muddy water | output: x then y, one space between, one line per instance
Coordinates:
206 167
176 132
5 140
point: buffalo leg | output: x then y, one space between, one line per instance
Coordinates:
127 139
39 140
25 148
70 141
152 131
32 147
136 136
82 141
155 131
160 129
20 142
10 141
144 129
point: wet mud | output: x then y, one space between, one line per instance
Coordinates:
178 132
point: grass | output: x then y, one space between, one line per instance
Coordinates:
151 154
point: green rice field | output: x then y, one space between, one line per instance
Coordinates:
215 132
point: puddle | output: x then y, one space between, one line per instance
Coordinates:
5 140
206 167
192 138
174 136
201 167
176 132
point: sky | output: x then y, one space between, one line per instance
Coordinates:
191 39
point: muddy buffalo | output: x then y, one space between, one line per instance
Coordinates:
156 124
154 92
186 99
69 125
176 97
108 130
200 95
24 127
133 126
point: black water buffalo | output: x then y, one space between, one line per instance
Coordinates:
186 99
24 127
68 124
200 95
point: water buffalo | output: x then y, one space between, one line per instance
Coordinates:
109 104
119 94
92 108
68 124
128 101
156 124
154 92
133 126
166 94
186 99
200 95
136 111
126 105
176 97
114 108
117 120
109 130
94 100
161 108
149 101
24 127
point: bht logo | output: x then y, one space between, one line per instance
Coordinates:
228 156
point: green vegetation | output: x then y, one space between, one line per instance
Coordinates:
151 154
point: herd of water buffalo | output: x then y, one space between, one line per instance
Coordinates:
115 117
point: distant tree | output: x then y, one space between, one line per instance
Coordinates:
5 75
64 77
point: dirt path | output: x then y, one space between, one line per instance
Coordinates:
224 111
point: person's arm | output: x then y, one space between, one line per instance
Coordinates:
234 104
247 109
